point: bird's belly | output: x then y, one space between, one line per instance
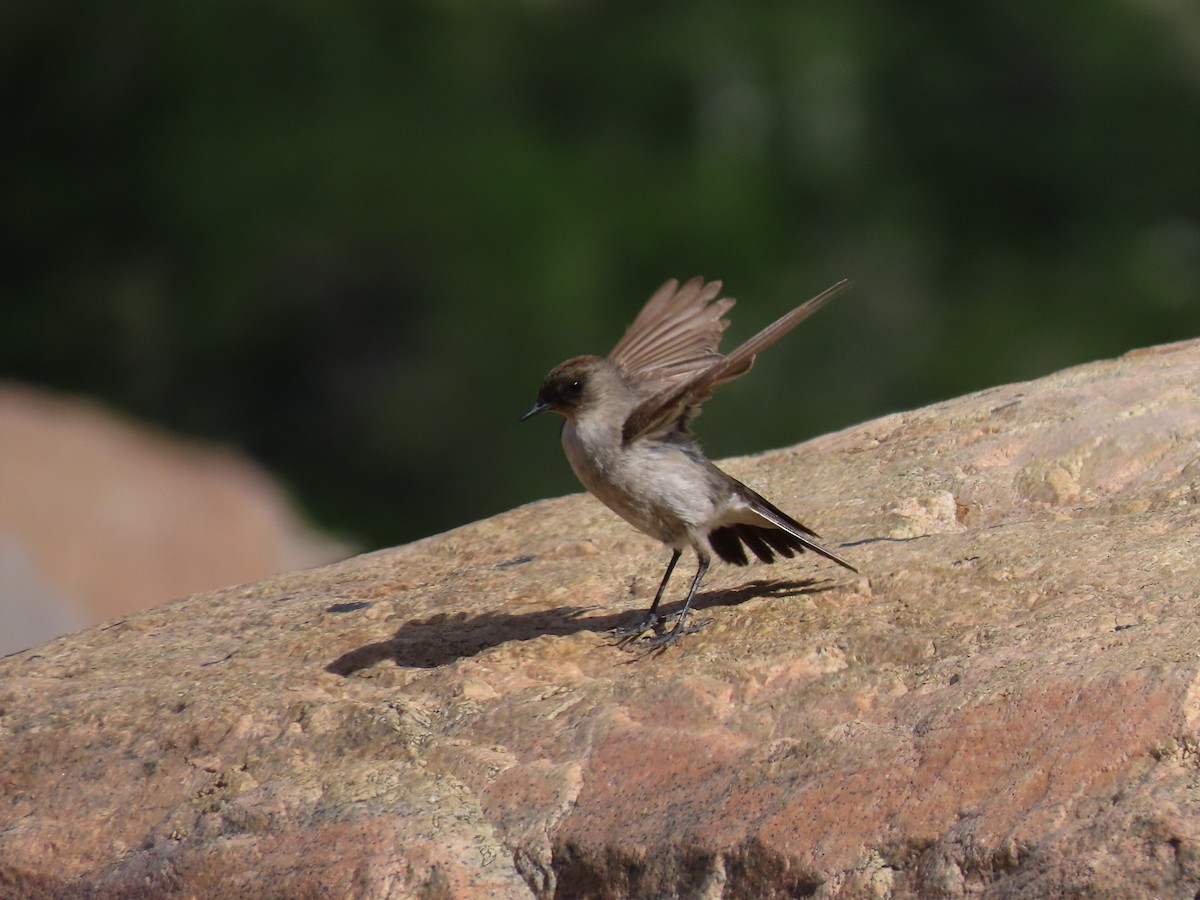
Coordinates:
655 487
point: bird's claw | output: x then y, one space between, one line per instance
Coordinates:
653 622
661 641
629 632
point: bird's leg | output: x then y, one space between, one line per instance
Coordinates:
651 619
662 641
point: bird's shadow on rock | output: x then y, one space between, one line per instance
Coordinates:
445 637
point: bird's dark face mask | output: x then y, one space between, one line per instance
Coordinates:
563 390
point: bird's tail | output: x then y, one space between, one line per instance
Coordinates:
779 533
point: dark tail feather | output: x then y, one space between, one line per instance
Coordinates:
781 541
730 543
727 545
782 532
754 538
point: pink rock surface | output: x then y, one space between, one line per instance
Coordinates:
1003 704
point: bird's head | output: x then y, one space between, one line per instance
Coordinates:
575 386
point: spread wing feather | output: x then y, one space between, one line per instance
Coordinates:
674 337
678 402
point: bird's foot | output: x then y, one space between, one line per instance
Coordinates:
652 622
629 632
661 642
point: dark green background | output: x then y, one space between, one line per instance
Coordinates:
351 238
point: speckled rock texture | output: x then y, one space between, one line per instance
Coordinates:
1004 704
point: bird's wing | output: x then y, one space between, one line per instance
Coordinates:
674 337
677 404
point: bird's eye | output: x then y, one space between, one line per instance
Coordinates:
575 386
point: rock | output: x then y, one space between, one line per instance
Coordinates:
1004 703
101 517
31 609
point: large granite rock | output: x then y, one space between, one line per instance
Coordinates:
1004 703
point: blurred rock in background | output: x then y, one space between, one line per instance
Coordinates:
101 516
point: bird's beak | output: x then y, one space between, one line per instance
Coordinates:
536 408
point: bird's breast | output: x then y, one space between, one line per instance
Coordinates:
659 487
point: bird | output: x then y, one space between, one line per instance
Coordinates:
627 435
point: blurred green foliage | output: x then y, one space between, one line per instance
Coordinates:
350 239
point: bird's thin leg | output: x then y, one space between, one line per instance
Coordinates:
662 587
651 618
663 641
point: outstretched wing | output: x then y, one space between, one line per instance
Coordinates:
674 337
677 404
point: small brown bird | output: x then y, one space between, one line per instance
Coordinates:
627 436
